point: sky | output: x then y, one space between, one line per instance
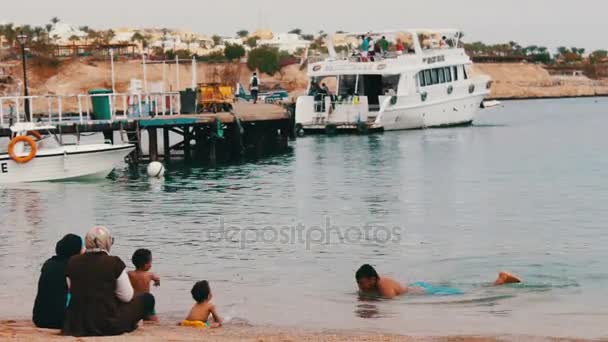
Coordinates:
551 23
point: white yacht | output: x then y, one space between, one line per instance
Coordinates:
52 160
423 80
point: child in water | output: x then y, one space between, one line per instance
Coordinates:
141 278
370 282
200 314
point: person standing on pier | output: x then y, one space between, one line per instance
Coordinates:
254 85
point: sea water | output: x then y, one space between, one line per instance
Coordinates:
525 189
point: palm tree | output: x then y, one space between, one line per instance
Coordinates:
242 33
55 21
190 38
217 40
164 37
10 34
92 35
110 34
49 29
74 38
140 38
39 33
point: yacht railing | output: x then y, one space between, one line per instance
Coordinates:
57 109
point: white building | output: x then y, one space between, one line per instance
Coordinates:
65 31
289 42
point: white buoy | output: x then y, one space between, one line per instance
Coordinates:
156 170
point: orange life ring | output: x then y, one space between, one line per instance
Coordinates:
26 140
35 134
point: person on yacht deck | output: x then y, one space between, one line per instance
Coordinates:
400 47
364 48
384 45
371 51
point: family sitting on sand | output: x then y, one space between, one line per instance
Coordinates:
85 291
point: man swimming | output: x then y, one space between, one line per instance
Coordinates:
370 283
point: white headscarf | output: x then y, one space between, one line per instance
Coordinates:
99 239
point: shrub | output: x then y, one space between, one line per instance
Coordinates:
234 51
266 59
214 57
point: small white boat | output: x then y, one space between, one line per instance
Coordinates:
39 163
490 104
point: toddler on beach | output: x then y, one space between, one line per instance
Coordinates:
141 278
200 314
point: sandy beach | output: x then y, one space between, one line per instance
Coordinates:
25 331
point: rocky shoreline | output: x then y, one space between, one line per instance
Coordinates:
510 80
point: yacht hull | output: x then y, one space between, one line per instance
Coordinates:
64 163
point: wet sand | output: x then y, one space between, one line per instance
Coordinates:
25 331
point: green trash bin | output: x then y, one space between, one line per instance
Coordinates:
187 99
101 104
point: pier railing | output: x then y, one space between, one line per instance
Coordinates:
58 109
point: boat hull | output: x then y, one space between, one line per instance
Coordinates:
446 113
64 163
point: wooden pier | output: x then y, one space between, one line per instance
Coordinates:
249 131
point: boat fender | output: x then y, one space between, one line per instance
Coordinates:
156 170
331 129
300 130
26 140
362 127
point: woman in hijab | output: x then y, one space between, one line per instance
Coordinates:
102 302
52 296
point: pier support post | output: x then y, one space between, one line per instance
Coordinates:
212 150
237 148
153 143
187 147
166 145
291 129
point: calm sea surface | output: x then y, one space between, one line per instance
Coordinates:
525 189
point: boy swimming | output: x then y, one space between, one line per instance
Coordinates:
370 282
203 309
142 277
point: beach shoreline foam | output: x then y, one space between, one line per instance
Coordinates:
22 330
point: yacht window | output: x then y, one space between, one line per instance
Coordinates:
455 68
434 76
390 82
421 79
464 72
347 85
448 74
427 77
441 75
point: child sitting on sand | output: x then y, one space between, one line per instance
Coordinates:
370 282
199 316
142 277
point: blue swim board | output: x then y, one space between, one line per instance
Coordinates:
433 290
